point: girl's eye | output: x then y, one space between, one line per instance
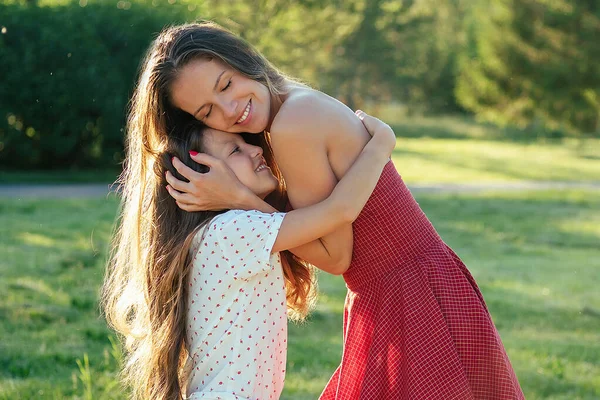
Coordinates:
226 87
235 149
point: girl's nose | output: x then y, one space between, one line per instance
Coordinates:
255 151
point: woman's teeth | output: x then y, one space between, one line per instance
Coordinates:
245 115
260 168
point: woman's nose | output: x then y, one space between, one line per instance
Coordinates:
230 110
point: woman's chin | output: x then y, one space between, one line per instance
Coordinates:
260 126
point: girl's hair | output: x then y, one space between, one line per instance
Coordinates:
146 288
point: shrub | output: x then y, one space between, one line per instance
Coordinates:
68 72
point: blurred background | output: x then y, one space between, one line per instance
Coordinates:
496 105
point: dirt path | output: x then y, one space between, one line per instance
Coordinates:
100 190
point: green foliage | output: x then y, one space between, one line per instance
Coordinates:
67 73
396 51
69 66
533 63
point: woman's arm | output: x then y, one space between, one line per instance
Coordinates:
315 139
309 180
345 203
331 253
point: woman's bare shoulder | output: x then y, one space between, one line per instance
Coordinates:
310 112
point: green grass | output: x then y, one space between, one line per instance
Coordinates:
535 256
439 149
51 263
430 160
455 149
459 150
98 175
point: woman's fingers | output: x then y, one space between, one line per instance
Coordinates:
174 193
203 158
184 170
218 189
185 201
367 123
371 123
196 179
186 207
175 183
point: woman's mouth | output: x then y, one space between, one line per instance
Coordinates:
245 118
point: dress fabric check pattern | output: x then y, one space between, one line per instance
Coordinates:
415 323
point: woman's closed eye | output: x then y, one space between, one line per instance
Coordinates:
235 150
226 86
222 90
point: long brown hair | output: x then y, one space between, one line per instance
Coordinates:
146 288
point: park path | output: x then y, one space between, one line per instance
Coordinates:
61 191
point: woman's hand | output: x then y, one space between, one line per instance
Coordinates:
380 132
218 189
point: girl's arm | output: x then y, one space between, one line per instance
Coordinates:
345 203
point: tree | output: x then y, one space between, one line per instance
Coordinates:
533 63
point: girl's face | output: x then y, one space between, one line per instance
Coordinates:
245 160
221 97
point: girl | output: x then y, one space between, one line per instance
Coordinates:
415 324
200 297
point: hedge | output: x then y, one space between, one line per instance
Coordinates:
67 75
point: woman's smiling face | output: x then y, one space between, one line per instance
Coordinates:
221 97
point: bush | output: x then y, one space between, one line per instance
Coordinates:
68 72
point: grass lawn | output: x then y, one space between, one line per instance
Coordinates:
459 150
437 150
98 175
431 160
535 255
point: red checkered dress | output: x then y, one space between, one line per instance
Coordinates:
415 323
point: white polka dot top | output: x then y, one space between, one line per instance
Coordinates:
236 319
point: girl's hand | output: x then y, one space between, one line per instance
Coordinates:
218 189
380 132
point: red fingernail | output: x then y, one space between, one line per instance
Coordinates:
172 159
193 153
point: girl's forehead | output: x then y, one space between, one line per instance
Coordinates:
221 136
215 141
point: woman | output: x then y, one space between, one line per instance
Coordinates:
415 323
